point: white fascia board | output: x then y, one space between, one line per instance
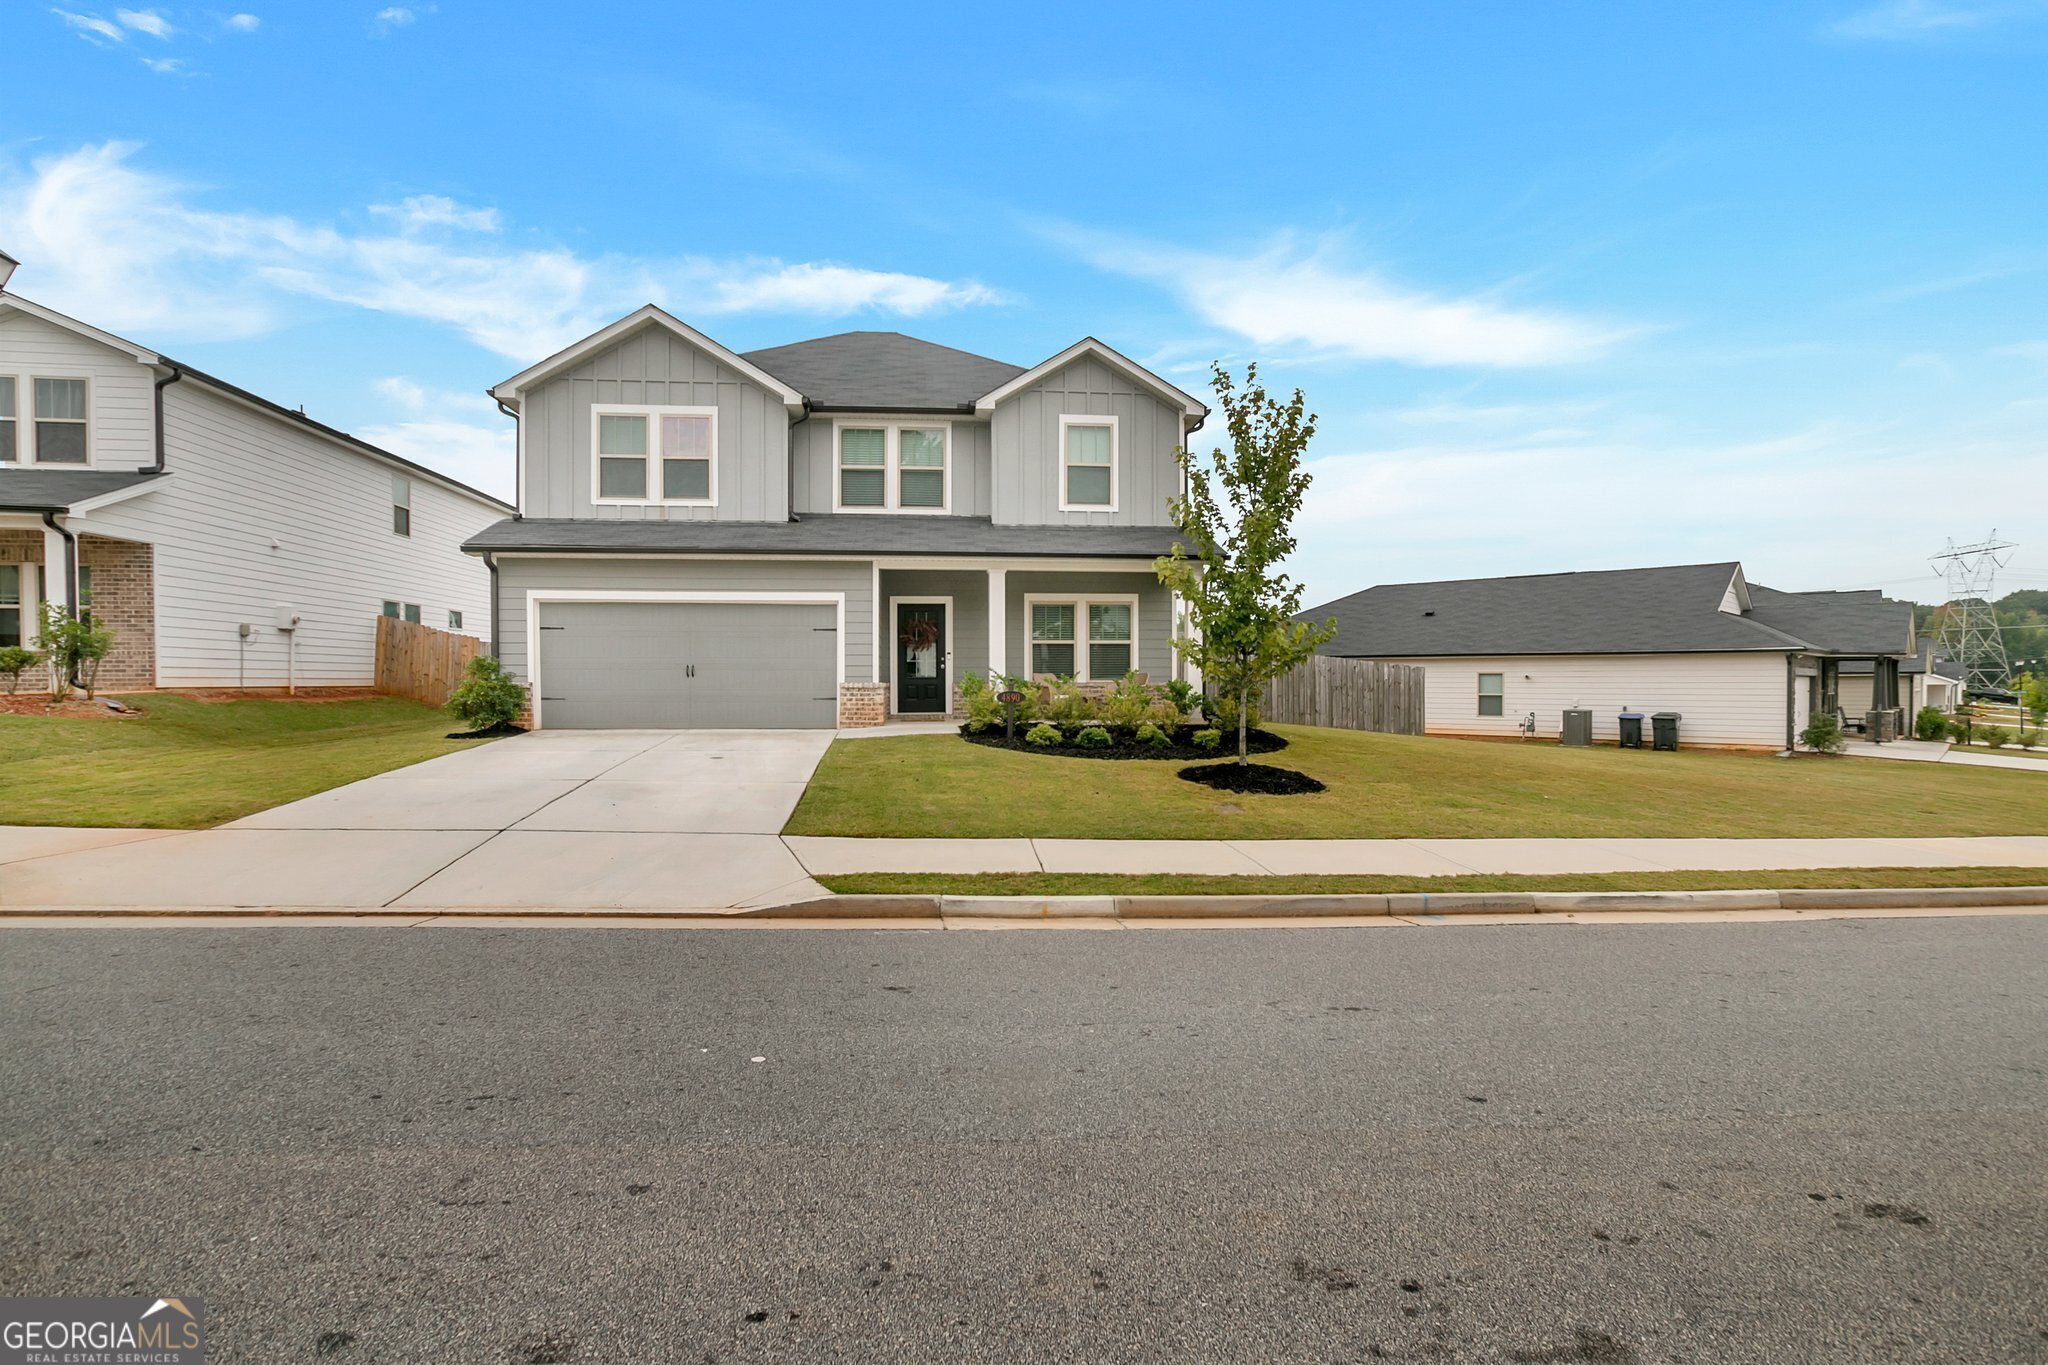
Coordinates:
1194 410
510 389
87 505
84 329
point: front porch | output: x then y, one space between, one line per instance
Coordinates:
1863 693
942 622
115 581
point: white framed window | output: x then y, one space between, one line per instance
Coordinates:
1088 461
403 611
401 505
61 435
658 455
412 612
455 620
1090 639
10 421
881 466
14 623
1492 694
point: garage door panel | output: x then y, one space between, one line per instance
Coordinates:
694 665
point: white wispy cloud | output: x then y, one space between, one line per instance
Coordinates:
131 248
461 434
168 66
241 23
91 27
1285 294
145 21
393 16
437 210
1905 20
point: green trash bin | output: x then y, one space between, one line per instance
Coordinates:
1664 730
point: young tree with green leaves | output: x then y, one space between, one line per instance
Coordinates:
1237 518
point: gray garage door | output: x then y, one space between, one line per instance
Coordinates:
688 665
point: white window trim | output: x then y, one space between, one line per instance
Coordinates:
1082 419
1480 694
892 466
536 596
945 650
653 413
25 423
1081 602
30 598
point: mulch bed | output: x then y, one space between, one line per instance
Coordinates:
1258 778
1124 744
494 732
72 708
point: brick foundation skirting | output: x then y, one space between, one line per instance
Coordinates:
863 704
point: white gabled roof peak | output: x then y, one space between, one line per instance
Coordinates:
648 315
1193 409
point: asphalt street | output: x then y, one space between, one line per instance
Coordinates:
1773 1142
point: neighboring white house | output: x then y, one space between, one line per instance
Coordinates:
1744 665
227 540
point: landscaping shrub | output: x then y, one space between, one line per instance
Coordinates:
1128 703
1154 737
1930 724
1222 712
75 647
1997 736
488 700
1043 736
1069 704
979 700
1823 734
1182 697
1211 738
1094 737
1959 729
14 661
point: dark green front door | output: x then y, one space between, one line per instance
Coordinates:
921 658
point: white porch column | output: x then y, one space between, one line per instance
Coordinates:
998 620
56 582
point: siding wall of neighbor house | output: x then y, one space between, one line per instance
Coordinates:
122 427
518 575
1732 699
256 512
967 629
1025 434
655 366
814 457
1154 615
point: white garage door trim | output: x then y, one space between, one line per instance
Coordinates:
536 596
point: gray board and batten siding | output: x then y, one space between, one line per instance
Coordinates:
654 366
1026 456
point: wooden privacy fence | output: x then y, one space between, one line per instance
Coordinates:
420 662
1349 694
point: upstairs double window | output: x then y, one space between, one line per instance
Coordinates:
56 421
893 467
664 455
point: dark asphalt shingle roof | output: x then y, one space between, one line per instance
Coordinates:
55 490
828 534
885 371
1673 609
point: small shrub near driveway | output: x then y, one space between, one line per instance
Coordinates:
1042 736
1997 736
1930 724
1823 735
1094 737
488 700
14 661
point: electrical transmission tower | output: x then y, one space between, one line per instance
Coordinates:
1969 623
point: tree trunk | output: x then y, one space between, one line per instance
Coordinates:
1241 759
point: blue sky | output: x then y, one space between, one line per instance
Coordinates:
1571 286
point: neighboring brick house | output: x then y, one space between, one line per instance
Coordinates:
227 541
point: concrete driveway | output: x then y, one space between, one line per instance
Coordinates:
555 820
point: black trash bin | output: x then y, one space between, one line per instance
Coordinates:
1631 729
1664 729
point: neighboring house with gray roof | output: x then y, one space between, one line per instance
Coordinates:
830 532
194 516
1745 665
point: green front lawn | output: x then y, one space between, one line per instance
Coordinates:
1401 787
1181 884
185 764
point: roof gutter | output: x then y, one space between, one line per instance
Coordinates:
491 563
173 377
518 491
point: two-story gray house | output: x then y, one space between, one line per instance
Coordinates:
826 533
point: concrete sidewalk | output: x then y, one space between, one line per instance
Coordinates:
1402 857
1934 751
